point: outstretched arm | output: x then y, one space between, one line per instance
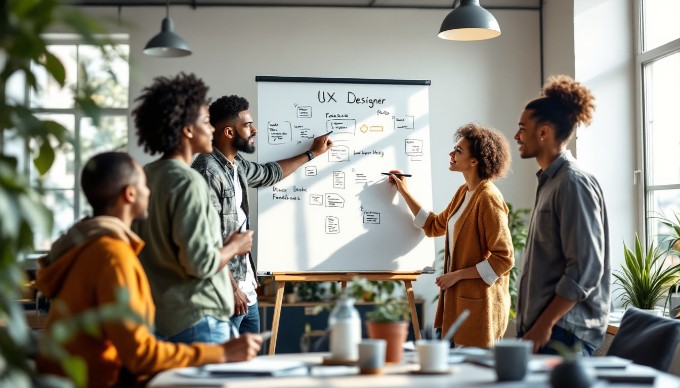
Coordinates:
320 145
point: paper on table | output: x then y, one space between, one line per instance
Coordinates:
259 367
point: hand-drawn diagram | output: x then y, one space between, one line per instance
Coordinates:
338 180
304 112
337 212
310 170
403 122
316 199
332 225
371 218
334 200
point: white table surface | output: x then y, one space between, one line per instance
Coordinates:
462 375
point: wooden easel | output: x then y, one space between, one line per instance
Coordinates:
282 278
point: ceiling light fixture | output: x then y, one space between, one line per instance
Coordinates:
469 21
167 43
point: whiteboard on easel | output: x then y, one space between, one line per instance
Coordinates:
338 213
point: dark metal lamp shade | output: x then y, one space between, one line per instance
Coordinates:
167 43
469 21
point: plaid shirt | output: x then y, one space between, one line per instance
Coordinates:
219 174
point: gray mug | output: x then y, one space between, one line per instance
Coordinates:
512 359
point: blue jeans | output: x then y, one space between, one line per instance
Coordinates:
208 329
566 338
249 322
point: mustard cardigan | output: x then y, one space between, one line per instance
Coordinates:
481 232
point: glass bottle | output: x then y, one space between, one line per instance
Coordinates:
345 329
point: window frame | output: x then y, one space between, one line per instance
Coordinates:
78 117
641 176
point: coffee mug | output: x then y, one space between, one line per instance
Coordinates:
433 355
512 358
372 356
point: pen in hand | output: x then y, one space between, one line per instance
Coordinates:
326 134
397 174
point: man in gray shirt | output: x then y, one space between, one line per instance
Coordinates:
228 176
564 292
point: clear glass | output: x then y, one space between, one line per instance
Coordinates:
662 120
50 94
60 202
61 174
660 22
106 76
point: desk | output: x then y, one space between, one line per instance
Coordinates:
464 375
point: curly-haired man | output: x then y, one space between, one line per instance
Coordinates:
229 175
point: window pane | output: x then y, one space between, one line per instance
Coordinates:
662 120
60 202
664 203
108 79
111 135
50 94
60 175
661 22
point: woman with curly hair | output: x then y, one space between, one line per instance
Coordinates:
564 288
478 248
185 256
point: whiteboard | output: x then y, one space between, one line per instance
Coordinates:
337 213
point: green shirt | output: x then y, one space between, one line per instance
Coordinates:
181 256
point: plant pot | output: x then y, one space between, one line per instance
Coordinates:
394 333
290 298
657 312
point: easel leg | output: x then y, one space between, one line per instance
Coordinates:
277 316
414 312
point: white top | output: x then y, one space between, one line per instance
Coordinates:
249 284
485 270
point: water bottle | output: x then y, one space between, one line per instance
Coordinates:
345 327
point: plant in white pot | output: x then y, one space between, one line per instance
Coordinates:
645 276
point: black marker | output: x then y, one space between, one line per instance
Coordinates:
396 174
327 134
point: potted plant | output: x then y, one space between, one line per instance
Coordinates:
669 240
389 320
645 276
290 292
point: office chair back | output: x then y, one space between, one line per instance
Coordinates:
646 339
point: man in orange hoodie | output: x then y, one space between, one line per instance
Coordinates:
98 256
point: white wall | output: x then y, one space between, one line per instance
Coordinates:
604 37
487 82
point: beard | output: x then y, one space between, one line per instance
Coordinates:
242 144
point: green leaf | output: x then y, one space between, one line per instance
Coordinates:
43 161
55 68
76 369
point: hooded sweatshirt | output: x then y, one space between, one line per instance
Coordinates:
84 270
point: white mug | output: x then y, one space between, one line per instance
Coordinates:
433 355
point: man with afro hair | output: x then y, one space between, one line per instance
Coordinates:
564 290
229 175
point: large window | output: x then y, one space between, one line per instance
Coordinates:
106 78
659 63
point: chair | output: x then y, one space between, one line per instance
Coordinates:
646 339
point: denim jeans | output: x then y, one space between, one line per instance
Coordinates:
208 329
249 322
565 337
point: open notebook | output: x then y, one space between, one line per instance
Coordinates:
255 367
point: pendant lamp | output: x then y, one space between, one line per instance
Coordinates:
167 43
469 21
